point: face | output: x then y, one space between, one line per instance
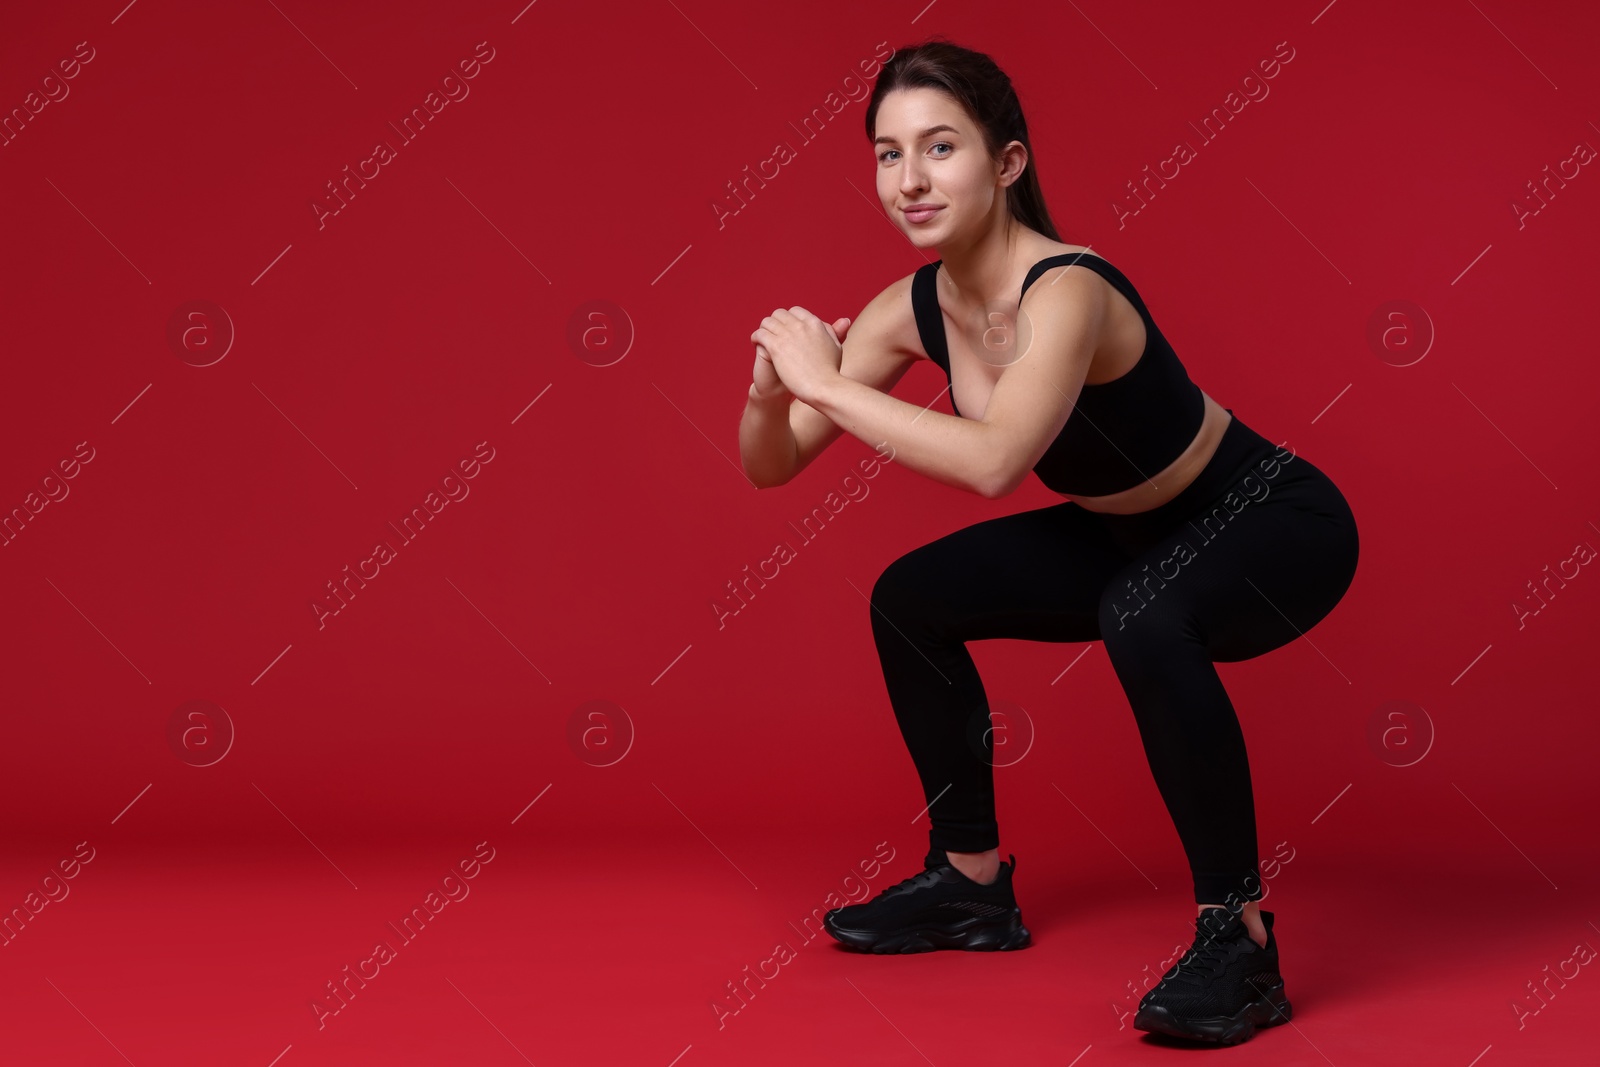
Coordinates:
929 151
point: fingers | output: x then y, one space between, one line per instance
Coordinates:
781 317
774 324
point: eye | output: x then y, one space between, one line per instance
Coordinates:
882 156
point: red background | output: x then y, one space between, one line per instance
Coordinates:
435 311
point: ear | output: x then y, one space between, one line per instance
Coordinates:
1013 161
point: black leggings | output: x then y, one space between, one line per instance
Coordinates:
1250 556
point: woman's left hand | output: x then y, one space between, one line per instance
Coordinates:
804 350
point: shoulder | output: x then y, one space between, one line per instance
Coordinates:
1074 276
890 320
1067 292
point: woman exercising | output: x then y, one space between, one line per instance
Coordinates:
1186 538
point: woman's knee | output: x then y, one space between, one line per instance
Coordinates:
903 589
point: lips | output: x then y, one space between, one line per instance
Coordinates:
921 214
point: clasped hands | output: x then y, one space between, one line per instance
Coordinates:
797 352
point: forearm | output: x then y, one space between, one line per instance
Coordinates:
946 448
766 440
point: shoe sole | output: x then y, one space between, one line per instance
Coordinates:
971 935
1269 1009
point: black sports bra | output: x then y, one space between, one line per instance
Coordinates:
1120 432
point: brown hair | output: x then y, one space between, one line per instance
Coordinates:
979 85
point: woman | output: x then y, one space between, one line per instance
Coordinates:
1186 539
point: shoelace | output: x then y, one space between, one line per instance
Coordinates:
916 881
1207 957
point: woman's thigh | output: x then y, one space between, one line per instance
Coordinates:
1245 575
1035 575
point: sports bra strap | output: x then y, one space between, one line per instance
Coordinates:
1106 270
930 321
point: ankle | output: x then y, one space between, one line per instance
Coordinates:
1250 914
980 867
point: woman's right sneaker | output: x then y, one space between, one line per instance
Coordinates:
938 907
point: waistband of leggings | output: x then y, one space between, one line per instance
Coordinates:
1240 448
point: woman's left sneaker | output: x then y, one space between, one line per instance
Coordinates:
1222 989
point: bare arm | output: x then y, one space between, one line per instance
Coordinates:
1027 409
767 441
779 437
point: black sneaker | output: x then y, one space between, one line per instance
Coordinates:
939 907
1222 989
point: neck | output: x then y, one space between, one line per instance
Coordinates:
982 273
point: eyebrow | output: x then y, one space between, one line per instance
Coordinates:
885 138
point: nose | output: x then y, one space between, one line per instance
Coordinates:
912 178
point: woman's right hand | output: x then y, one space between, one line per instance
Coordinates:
767 385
